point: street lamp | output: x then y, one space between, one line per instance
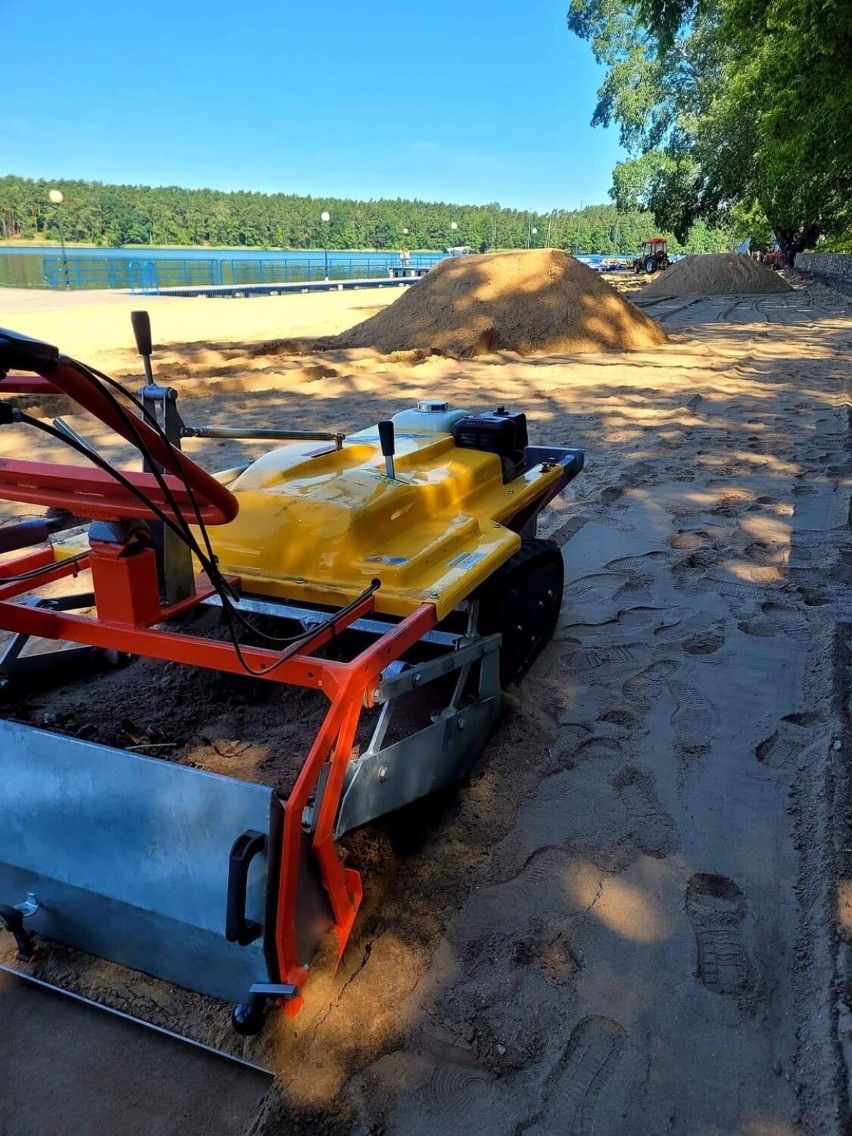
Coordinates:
533 233
454 227
57 197
325 217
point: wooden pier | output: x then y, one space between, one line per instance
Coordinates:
242 291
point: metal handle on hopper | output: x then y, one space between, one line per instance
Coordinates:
238 929
13 920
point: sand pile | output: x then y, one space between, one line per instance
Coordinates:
716 274
541 301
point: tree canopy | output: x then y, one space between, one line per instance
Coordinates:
734 111
116 215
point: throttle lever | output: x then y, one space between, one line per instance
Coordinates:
142 334
388 444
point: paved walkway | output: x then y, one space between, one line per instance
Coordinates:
14 300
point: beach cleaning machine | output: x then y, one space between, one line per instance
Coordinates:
396 559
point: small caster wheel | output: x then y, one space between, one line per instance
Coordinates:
248 1018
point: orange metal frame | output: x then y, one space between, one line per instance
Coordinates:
347 685
125 585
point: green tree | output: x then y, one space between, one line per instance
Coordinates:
729 104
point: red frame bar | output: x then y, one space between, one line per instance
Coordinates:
293 665
91 492
333 744
80 490
26 563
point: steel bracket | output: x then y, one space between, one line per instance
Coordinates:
386 778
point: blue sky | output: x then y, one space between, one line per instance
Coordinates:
471 101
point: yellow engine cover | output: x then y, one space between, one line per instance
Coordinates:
319 525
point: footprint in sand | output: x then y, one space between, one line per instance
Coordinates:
645 688
760 628
456 1090
606 664
623 719
573 1089
814 597
689 540
704 642
654 831
604 749
767 554
716 907
592 591
636 589
611 494
731 505
774 619
694 719
701 560
786 743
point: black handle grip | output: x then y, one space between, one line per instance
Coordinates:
13 921
238 929
142 332
23 534
386 439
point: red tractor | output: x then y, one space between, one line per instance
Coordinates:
654 256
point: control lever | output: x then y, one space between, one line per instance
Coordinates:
386 439
174 560
142 333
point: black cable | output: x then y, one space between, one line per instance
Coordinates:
211 568
34 573
103 464
140 444
179 525
340 614
220 584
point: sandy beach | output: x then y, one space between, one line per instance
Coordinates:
636 916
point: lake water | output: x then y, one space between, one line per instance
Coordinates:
145 268
106 267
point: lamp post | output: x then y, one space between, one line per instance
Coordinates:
57 197
533 233
325 217
453 229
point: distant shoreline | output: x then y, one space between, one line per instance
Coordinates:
12 245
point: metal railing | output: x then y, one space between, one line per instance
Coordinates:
151 275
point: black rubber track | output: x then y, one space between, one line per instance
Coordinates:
521 601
